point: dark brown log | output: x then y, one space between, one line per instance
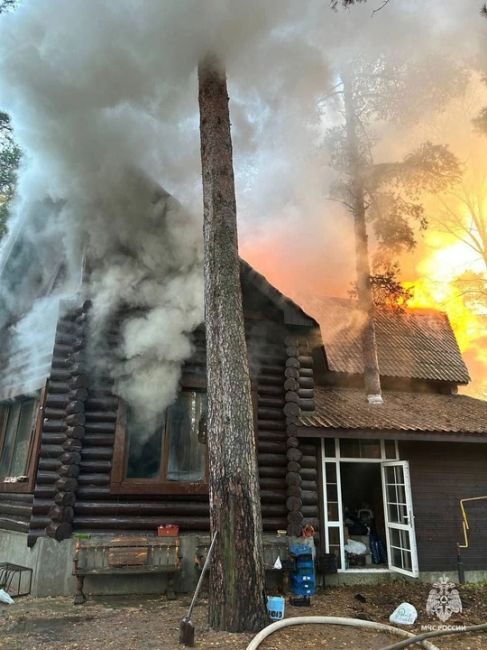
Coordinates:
272 483
273 496
305 373
76 406
53 438
295 520
93 492
65 499
53 426
49 464
53 414
291 373
291 409
69 470
291 396
96 466
306 393
96 453
75 432
305 361
265 413
72 444
59 531
293 491
291 385
309 461
293 478
273 436
292 362
101 416
269 389
294 453
272 472
293 466
141 508
65 484
271 460
309 498
64 338
58 387
291 420
75 419
292 442
56 401
292 351
308 474
274 402
58 513
60 375
306 404
15 510
70 458
308 450
294 504
267 447
93 479
78 393
99 440
50 451
102 404
292 429
271 425
79 381
39 521
17 497
310 511
311 486
100 427
291 341
78 368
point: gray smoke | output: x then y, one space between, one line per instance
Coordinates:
103 99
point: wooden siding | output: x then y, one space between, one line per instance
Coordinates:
15 511
441 475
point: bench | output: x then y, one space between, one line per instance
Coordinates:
125 555
275 546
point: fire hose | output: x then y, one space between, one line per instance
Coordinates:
410 638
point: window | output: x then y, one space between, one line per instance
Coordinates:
18 441
172 458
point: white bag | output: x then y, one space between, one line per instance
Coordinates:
355 548
6 598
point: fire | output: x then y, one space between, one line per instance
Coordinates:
437 287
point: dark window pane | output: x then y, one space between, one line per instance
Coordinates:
334 535
330 447
144 449
331 492
331 472
22 440
186 454
355 448
390 448
9 439
332 511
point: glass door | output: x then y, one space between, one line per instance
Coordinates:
399 518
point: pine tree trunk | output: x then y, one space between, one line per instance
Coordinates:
362 264
236 600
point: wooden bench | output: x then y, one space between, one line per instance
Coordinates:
275 546
125 555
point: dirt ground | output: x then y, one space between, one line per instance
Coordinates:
152 623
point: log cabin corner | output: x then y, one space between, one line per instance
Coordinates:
393 473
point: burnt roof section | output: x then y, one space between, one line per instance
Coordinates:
293 314
413 344
347 408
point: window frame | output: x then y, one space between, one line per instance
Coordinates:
120 484
34 445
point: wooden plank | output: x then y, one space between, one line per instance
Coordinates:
128 556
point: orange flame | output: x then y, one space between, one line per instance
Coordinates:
437 287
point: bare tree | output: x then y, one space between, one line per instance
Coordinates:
237 571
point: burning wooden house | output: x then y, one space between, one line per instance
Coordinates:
71 468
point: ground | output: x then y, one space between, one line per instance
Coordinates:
152 623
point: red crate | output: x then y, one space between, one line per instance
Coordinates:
169 530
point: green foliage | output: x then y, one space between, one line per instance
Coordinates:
387 290
9 162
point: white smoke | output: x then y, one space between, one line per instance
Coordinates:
103 100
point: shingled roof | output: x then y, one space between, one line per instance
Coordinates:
415 344
347 408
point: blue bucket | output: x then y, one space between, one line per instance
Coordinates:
275 607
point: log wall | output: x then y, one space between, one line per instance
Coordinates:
72 491
15 511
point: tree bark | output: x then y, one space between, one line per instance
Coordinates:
362 264
236 597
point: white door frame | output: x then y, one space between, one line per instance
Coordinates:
408 525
